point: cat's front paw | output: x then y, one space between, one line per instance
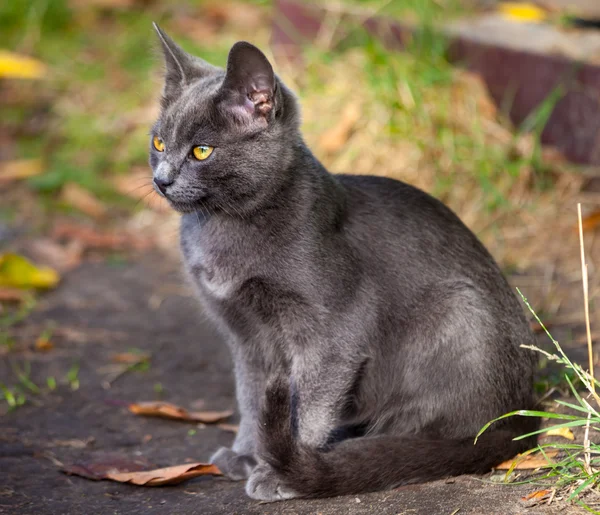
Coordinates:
265 485
233 465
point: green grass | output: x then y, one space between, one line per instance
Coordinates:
577 470
102 67
72 377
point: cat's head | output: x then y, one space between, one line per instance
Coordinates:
224 138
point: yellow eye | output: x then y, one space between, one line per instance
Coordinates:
158 143
202 152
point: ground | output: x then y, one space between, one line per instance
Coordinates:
101 310
73 150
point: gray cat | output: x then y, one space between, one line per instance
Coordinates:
372 334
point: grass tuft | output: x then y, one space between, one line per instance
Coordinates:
578 472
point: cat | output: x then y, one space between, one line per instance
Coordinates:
372 334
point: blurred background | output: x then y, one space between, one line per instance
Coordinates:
493 107
488 106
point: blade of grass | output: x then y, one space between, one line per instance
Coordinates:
586 309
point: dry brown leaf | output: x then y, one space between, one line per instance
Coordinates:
165 476
232 428
589 222
20 169
529 462
168 410
538 495
335 138
100 467
12 295
60 257
91 238
83 200
130 358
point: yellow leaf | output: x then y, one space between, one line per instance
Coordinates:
43 344
17 66
20 169
522 12
528 462
18 272
565 432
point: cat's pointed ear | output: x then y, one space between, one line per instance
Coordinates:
249 86
181 67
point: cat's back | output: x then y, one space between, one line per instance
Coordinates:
399 199
397 224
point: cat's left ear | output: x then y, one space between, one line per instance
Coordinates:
249 88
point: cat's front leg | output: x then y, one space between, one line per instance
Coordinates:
238 461
320 385
236 467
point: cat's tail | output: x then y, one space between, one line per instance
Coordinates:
374 463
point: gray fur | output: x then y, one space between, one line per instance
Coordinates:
384 313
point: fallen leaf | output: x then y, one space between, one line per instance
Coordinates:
43 344
15 66
91 238
522 12
589 222
335 138
60 257
529 462
565 432
168 410
83 200
165 476
20 169
16 271
12 295
98 469
130 358
232 428
135 471
538 495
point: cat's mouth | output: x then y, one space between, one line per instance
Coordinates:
184 206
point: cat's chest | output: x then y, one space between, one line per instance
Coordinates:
217 261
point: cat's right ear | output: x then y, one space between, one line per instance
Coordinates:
181 67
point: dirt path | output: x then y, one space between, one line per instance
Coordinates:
100 310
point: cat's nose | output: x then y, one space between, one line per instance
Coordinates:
162 184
